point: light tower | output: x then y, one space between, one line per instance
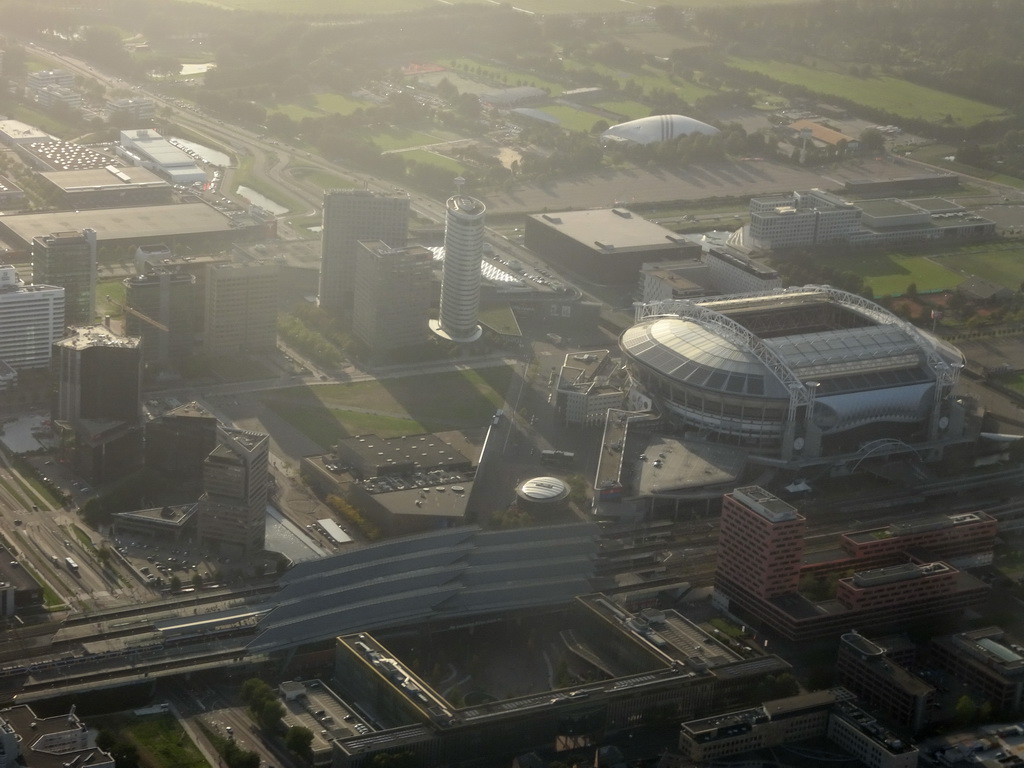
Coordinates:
460 276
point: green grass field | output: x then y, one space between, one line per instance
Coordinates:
889 275
335 103
500 76
572 119
1002 263
115 290
888 93
396 138
392 407
322 179
425 157
294 111
630 110
160 740
649 78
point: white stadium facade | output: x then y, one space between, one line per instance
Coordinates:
799 377
651 130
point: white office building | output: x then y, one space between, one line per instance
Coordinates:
460 278
149 149
31 320
807 218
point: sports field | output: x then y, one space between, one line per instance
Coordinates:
572 119
630 110
890 274
887 93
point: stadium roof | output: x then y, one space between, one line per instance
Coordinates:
649 130
712 350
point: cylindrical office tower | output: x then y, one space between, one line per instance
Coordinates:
460 277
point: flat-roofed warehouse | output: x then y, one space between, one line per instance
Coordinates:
109 186
606 245
188 223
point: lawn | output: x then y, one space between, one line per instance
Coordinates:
502 78
572 119
887 93
426 157
890 274
630 110
501 319
397 138
335 103
322 179
1002 263
649 78
161 741
44 121
294 111
393 407
115 290
323 104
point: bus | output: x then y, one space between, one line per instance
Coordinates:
71 564
557 458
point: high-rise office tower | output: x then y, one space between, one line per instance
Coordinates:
99 401
233 508
760 545
31 320
68 260
160 309
241 307
351 215
392 297
99 376
460 278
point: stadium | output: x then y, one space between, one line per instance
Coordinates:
798 377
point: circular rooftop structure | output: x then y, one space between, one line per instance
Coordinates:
543 491
650 130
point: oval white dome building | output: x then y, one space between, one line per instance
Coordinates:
650 130
807 375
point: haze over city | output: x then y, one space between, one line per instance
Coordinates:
423 383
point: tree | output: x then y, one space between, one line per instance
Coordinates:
966 710
175 583
872 139
299 741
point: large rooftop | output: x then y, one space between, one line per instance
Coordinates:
112 224
97 336
102 178
611 229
